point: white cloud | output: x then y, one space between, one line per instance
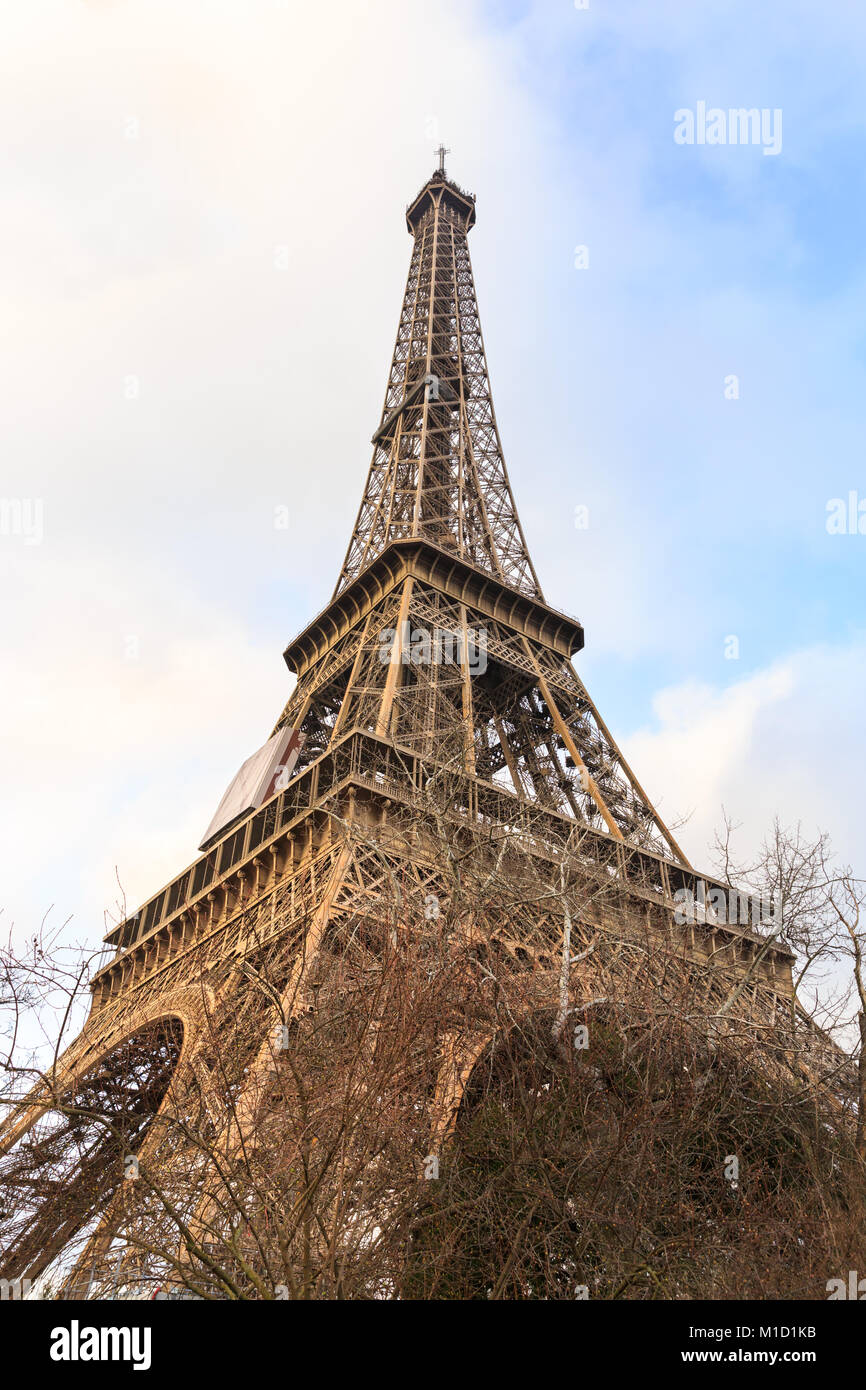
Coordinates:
786 740
119 736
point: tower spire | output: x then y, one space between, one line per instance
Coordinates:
438 469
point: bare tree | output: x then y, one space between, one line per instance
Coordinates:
501 1075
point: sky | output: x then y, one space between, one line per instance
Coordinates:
202 259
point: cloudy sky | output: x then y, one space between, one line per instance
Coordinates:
202 256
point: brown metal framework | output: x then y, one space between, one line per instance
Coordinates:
436 652
438 546
438 471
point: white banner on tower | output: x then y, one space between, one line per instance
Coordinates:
264 773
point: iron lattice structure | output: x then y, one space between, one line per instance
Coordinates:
438 547
438 471
437 660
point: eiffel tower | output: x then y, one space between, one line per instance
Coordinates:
437 652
